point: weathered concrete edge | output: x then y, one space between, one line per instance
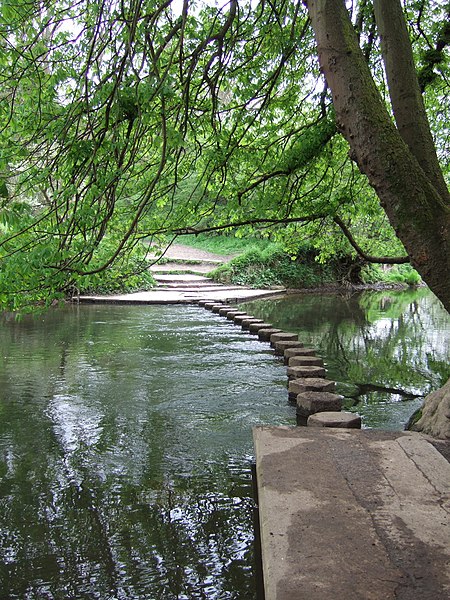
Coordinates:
394 467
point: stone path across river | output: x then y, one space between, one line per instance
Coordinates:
182 280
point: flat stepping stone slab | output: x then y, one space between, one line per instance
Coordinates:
283 336
283 345
255 327
216 307
241 317
210 304
232 314
310 403
315 361
264 334
291 351
346 420
309 384
226 309
247 322
305 371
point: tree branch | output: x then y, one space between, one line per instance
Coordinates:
385 260
236 224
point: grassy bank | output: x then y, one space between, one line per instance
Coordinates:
260 263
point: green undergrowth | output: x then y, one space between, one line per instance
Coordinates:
262 263
401 274
272 266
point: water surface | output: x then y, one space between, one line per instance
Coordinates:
125 449
386 350
125 434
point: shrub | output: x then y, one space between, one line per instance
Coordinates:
402 274
272 266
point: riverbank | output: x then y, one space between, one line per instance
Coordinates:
271 268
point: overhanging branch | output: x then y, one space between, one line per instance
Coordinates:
385 260
236 224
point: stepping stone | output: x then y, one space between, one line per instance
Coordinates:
305 371
283 336
310 403
225 310
246 322
231 316
295 361
255 327
345 420
209 305
297 351
241 317
264 334
309 384
283 345
216 307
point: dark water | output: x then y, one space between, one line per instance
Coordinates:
125 435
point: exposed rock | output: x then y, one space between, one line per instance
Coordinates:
435 419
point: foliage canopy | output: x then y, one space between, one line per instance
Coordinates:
150 119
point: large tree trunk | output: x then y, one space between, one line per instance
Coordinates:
413 197
404 90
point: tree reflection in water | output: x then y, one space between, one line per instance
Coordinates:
386 350
125 434
125 445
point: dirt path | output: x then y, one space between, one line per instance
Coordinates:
181 252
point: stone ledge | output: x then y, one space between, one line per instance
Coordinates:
348 514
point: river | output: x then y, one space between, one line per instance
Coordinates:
125 434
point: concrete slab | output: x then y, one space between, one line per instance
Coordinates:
352 515
164 296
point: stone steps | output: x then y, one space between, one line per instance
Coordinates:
184 281
188 266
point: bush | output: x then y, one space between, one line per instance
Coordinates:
401 274
129 274
272 266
